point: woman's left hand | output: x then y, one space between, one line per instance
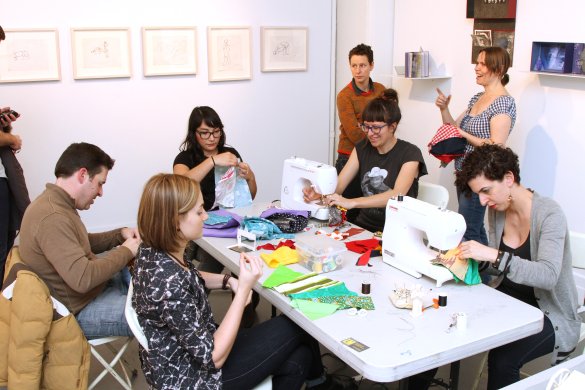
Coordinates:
245 171
338 200
475 250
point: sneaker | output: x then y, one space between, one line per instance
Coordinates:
336 382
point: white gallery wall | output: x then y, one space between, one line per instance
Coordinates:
141 121
549 135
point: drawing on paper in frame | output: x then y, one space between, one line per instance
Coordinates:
169 50
101 53
228 53
30 55
284 49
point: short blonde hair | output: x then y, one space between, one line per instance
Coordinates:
165 198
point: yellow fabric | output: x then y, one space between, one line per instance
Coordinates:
283 255
37 352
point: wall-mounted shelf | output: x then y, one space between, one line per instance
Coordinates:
571 75
423 78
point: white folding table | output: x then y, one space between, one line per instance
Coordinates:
400 345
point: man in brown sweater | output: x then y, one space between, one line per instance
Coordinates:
351 101
56 245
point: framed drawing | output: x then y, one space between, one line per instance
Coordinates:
284 49
101 53
228 53
30 55
169 50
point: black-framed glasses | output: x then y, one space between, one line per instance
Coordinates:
374 129
206 134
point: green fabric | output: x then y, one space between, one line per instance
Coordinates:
472 275
335 290
348 301
280 276
305 284
314 310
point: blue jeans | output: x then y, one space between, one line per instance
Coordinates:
505 362
104 316
473 213
276 347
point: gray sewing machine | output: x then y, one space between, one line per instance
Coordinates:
299 173
403 246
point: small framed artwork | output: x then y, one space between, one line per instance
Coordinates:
228 53
101 53
30 55
284 49
169 50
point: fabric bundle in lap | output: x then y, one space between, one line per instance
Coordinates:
447 144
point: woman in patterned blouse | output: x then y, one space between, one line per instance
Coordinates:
489 119
186 348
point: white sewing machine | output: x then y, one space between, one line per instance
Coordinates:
298 174
407 221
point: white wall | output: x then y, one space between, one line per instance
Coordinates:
142 121
549 134
369 22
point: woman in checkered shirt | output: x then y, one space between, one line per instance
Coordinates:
488 119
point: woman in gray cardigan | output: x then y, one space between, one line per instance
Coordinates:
530 254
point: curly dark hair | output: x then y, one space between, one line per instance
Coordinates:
362 50
491 161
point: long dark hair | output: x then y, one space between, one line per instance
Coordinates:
199 115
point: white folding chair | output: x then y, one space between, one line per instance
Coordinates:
125 382
132 319
433 193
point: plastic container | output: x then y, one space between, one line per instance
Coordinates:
320 259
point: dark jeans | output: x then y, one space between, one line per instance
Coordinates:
353 190
276 347
473 213
505 362
7 235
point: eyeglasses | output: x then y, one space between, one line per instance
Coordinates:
374 129
206 134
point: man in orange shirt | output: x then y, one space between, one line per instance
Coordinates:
351 101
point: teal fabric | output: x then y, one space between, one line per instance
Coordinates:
472 275
264 229
214 219
241 195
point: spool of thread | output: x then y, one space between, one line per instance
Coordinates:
443 300
366 288
417 308
461 321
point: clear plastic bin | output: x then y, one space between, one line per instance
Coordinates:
326 258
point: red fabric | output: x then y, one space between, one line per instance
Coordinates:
364 259
272 247
362 246
445 132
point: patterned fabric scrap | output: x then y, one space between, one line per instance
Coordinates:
304 283
264 229
332 291
348 301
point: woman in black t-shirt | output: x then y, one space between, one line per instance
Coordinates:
386 165
204 148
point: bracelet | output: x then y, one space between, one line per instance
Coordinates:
502 256
212 160
224 283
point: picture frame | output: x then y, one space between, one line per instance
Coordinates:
284 49
30 55
100 53
552 57
169 51
229 53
